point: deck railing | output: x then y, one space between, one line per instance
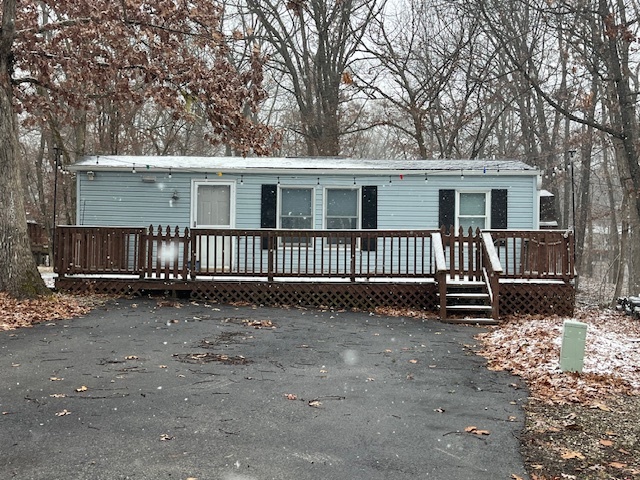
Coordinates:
535 254
165 252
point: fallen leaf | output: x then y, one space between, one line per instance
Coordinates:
571 454
512 418
15 364
131 357
57 395
601 406
606 443
83 388
55 379
315 403
63 413
439 410
324 371
388 350
165 437
470 428
259 323
617 465
413 360
370 379
291 396
162 366
516 477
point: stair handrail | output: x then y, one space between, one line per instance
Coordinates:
492 269
441 271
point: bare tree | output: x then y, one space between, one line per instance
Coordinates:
314 44
600 36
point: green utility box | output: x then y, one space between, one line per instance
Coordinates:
573 342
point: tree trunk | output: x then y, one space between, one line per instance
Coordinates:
19 275
614 237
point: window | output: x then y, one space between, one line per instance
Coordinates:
472 210
296 210
341 211
484 209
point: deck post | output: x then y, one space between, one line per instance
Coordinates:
270 253
441 272
492 269
192 266
142 252
185 253
353 258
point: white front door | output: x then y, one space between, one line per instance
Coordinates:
212 208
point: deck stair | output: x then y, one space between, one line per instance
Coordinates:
468 301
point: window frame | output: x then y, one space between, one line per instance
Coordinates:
325 204
279 216
487 207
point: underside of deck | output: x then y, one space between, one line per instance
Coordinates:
523 297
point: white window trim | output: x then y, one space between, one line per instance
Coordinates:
325 197
279 207
358 189
487 206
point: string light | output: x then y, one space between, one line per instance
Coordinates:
169 172
133 170
461 174
390 179
354 180
278 180
241 179
318 181
426 178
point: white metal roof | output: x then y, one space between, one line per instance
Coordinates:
314 165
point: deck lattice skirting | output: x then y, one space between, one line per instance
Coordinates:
527 272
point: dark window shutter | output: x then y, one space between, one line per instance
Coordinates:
447 209
369 215
268 210
499 208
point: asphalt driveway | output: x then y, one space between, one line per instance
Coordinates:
146 389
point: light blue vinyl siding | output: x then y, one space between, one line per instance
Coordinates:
120 198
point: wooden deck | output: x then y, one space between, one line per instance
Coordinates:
39 240
481 274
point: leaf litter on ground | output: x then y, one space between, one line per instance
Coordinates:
578 425
25 313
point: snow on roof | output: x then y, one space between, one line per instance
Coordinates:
288 164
